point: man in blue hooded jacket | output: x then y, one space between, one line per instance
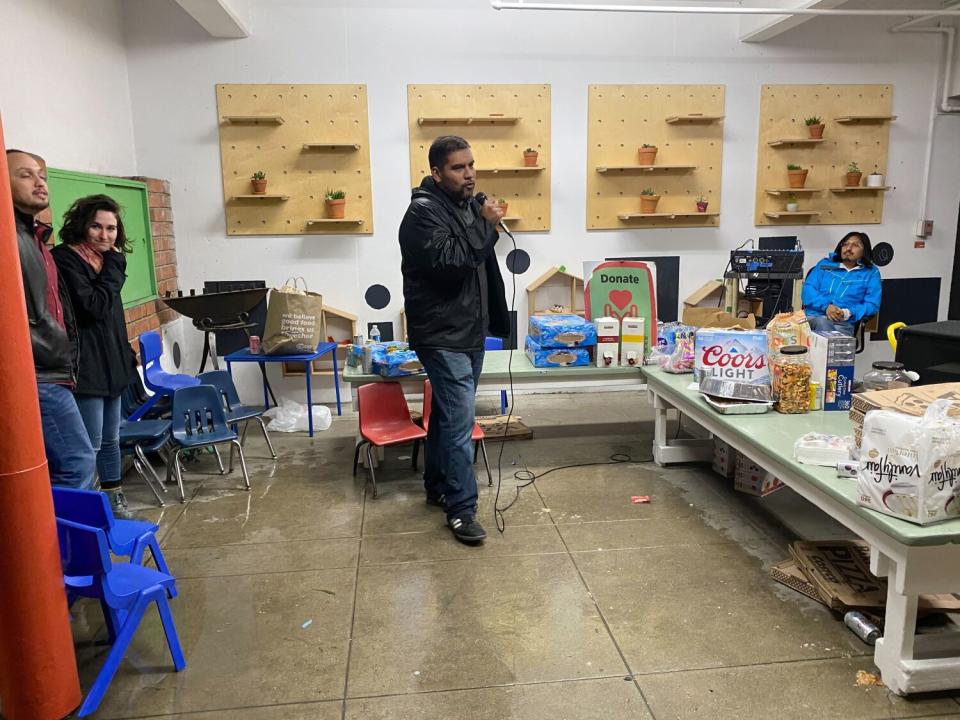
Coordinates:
843 288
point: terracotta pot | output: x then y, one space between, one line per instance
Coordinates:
798 178
530 159
853 179
702 207
648 203
259 186
336 208
816 131
647 155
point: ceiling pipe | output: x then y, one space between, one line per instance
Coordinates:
930 13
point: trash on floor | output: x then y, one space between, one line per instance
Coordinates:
291 416
493 427
868 679
640 499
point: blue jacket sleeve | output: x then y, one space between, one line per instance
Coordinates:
814 293
871 300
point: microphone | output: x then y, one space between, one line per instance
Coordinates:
481 198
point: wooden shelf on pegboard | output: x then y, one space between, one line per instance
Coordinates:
788 191
644 168
341 221
780 142
789 214
846 119
498 121
518 169
670 215
693 118
319 141
278 198
859 188
857 130
481 120
348 147
252 119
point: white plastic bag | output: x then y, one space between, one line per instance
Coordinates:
910 466
291 416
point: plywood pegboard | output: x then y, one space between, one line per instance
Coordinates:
685 122
499 122
857 119
307 139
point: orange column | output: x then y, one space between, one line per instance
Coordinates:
38 669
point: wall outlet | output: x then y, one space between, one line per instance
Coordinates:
924 228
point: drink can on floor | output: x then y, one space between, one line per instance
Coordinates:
862 627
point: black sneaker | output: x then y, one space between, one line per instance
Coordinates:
467 530
435 500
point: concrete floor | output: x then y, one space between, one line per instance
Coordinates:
306 598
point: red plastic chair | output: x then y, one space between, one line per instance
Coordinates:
477 436
384 421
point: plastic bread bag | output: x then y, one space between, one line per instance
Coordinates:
910 466
790 328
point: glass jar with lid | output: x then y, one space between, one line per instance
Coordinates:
888 376
791 380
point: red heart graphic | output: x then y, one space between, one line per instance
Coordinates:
621 298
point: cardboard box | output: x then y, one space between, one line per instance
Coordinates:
752 479
711 290
715 318
555 357
724 459
632 341
739 355
553 331
912 401
832 356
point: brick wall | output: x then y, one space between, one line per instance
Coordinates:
152 314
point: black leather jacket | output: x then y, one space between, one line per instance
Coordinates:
441 259
55 350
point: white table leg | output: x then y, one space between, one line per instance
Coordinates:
681 450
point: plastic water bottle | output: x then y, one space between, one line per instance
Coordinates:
374 334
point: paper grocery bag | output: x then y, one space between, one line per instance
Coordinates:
294 320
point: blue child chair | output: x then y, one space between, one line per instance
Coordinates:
236 411
126 538
199 421
495 343
162 383
140 437
125 591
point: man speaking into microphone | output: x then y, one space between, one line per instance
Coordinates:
454 298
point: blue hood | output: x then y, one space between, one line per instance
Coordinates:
830 283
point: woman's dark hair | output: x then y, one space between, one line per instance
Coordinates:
80 217
867 247
443 147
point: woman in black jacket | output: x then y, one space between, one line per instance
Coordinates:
91 261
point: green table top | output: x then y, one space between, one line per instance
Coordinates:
495 368
776 434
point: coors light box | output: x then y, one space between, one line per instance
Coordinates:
732 363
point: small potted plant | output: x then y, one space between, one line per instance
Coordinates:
336 203
792 204
853 175
530 157
647 154
815 127
797 176
701 204
875 179
503 206
648 200
259 182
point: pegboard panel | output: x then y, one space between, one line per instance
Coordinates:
685 122
499 122
857 120
307 139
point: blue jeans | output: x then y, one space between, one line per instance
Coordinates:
822 322
449 449
70 456
101 416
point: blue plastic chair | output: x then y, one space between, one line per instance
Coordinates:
162 383
494 343
126 538
125 591
199 421
140 437
236 411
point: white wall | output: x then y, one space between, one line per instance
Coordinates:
174 66
64 92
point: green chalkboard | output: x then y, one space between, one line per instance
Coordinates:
67 186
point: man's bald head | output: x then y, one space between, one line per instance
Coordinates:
28 182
